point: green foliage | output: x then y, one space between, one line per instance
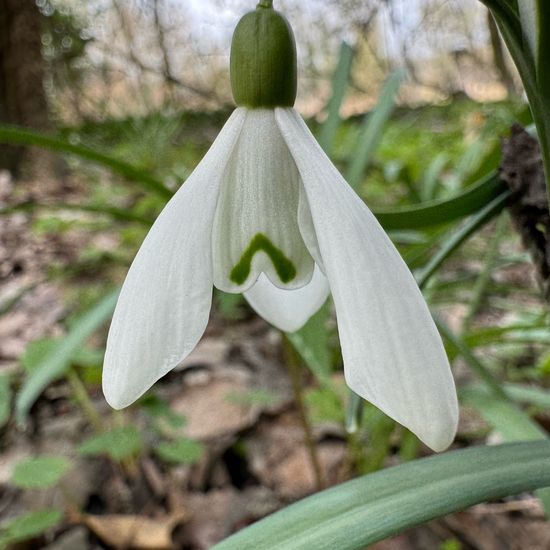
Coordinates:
451 544
443 211
452 242
180 451
324 405
117 444
363 511
371 132
166 418
21 136
28 526
33 357
508 420
229 305
312 342
40 472
417 136
339 88
58 358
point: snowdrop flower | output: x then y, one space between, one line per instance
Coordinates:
266 213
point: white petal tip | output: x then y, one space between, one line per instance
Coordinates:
117 399
288 310
432 416
121 389
439 435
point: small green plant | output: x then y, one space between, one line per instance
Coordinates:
180 451
27 526
118 444
40 472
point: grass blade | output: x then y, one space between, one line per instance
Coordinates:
372 129
339 85
456 239
58 359
15 135
437 212
117 214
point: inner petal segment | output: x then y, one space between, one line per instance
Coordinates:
256 223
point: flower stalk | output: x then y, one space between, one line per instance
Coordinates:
293 367
81 396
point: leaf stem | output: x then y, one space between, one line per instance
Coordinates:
293 367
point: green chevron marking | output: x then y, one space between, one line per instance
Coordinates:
283 266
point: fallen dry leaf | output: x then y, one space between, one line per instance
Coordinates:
209 410
135 532
281 461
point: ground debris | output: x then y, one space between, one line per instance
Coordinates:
134 532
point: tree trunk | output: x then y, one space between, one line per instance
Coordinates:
22 96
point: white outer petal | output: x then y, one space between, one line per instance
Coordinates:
165 301
529 24
288 310
393 354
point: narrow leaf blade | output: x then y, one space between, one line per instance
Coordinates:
58 359
368 509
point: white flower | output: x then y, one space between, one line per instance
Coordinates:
266 213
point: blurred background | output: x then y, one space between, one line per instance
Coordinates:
106 106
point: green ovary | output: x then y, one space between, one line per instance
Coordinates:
283 266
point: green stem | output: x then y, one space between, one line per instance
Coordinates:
293 367
354 412
265 4
81 396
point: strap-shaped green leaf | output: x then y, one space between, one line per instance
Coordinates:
368 509
373 126
340 82
17 135
468 202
